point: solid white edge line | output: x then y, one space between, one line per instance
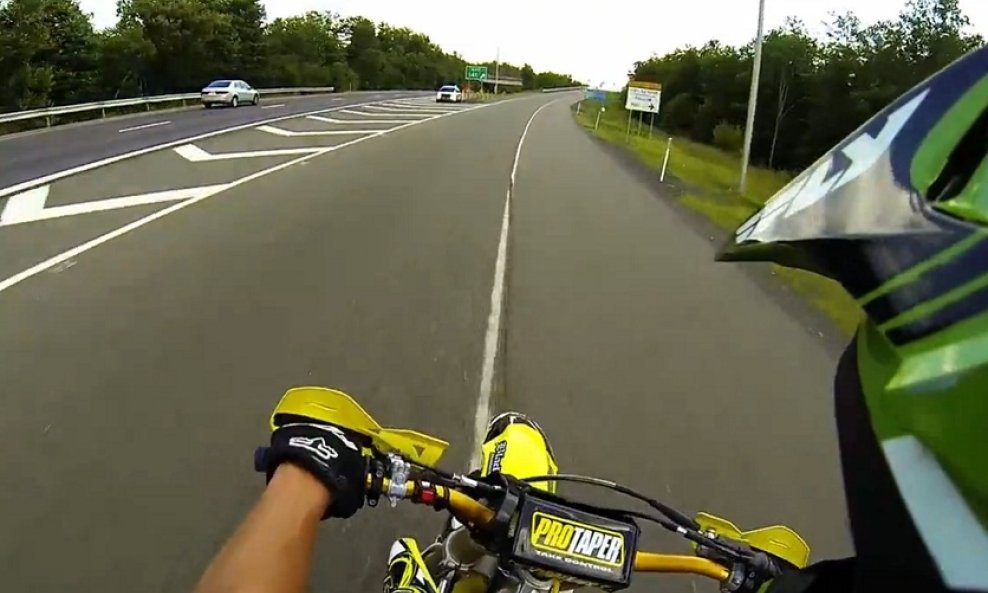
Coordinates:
118 232
144 127
483 411
25 185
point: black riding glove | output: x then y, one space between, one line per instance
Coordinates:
329 453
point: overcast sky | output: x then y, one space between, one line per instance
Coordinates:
592 40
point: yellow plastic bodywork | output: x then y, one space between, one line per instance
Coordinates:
412 565
524 454
777 540
335 407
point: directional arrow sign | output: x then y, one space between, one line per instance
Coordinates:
29 206
476 73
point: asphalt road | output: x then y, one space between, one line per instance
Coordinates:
43 152
138 374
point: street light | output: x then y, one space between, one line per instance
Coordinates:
497 69
752 98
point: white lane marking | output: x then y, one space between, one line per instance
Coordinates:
436 106
941 515
193 153
413 110
30 209
366 114
272 106
291 133
144 127
22 207
93 243
19 187
330 120
483 412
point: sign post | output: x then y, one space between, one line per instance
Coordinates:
642 97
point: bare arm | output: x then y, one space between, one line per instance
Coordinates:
271 551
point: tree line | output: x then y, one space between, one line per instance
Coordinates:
813 92
51 53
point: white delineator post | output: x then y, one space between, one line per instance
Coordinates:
665 161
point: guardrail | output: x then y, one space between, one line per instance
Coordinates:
563 89
102 106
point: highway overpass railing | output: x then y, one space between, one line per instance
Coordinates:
48 113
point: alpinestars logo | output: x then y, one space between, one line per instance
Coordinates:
576 540
495 462
316 446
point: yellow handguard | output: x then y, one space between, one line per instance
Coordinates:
337 408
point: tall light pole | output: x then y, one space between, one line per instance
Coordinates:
497 69
752 98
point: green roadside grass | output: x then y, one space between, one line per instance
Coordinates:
710 179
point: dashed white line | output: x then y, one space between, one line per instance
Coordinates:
272 106
144 127
483 412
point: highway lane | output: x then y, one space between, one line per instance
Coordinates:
139 374
148 367
650 364
43 152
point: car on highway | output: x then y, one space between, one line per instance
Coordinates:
231 93
449 92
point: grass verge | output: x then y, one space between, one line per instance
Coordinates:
711 178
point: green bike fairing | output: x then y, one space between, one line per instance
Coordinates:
897 213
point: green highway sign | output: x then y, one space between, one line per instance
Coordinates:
476 73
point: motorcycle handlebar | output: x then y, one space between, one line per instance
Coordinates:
467 509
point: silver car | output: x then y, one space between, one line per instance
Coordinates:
229 92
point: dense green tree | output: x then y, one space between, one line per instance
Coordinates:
50 54
47 53
812 92
527 77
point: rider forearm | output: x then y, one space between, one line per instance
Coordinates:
271 552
